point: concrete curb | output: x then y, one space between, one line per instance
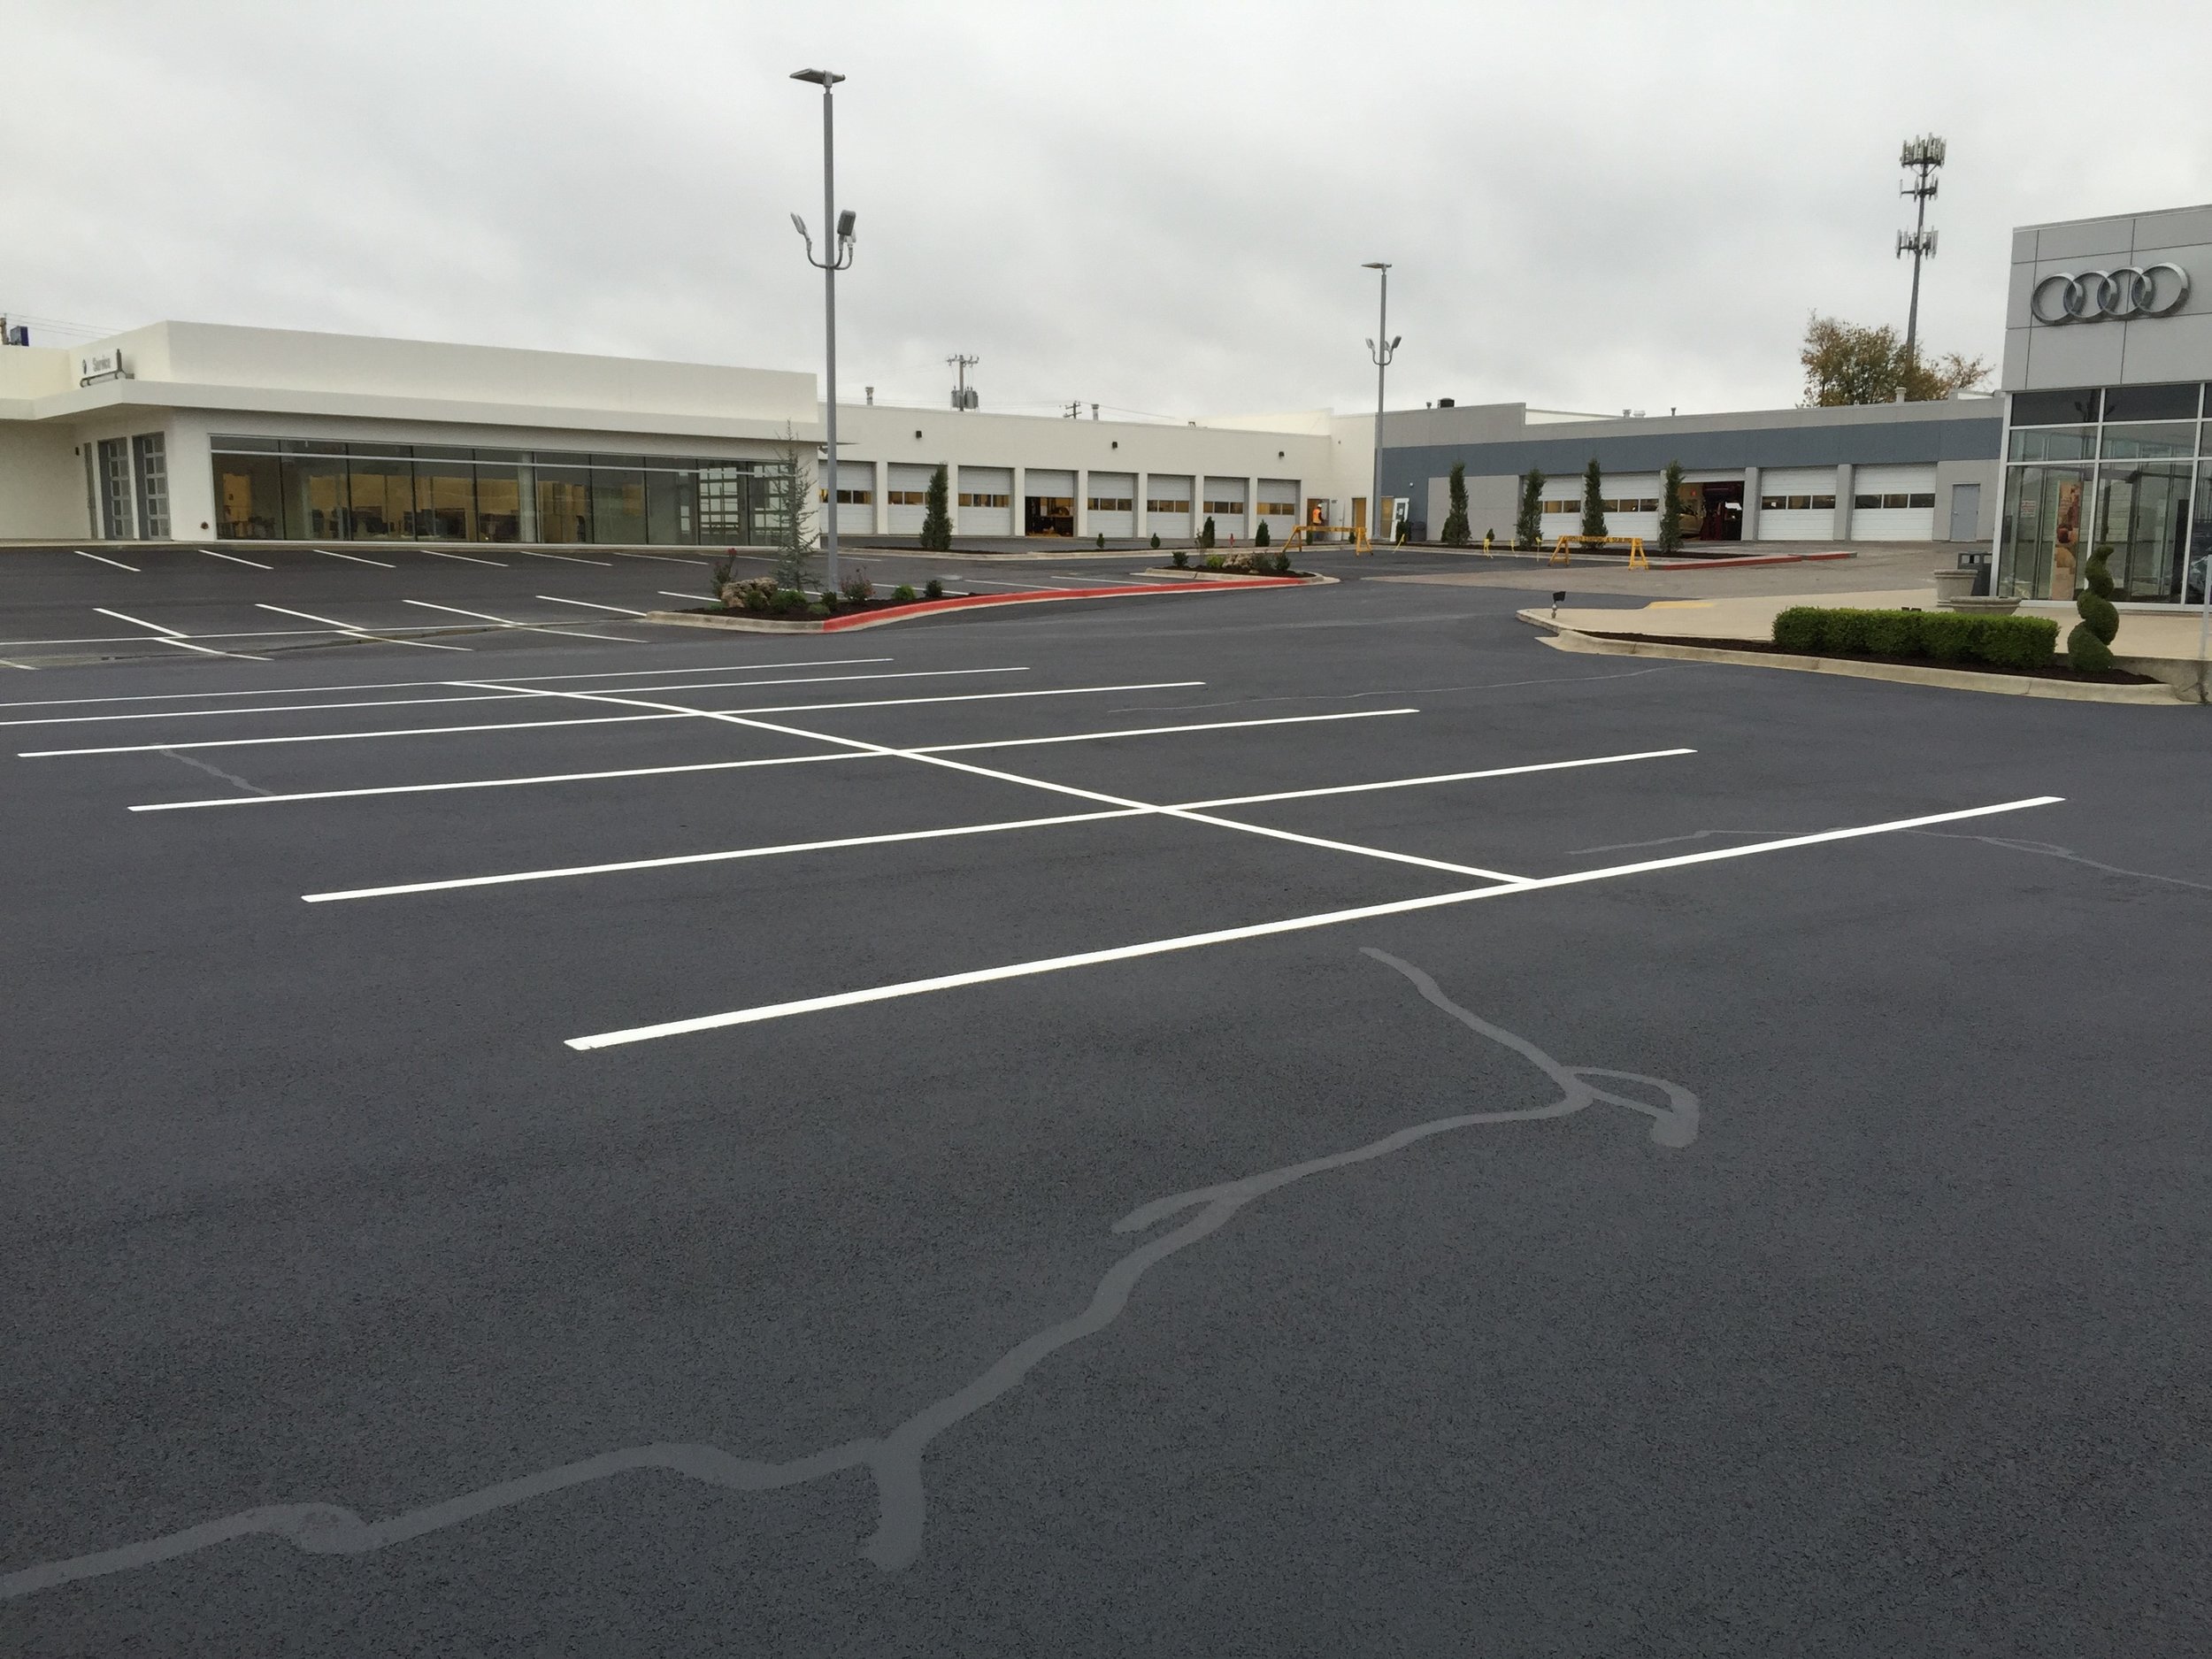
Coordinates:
1565 639
978 601
1309 579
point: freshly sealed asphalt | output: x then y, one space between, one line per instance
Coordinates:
1798 1252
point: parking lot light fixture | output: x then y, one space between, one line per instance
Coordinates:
837 255
1381 348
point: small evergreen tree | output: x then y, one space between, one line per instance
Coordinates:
1455 533
1156 538
1259 536
791 506
1206 536
1671 508
2089 647
1528 518
1592 500
937 514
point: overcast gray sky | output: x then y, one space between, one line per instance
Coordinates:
1161 208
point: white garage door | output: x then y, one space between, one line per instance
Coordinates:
1797 503
856 498
986 500
1048 502
1112 502
1892 504
908 497
1277 507
1167 504
1224 503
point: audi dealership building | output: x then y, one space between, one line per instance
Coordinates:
2098 437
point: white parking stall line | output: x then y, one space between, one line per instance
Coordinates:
658 711
409 685
136 622
346 629
728 854
206 651
665 558
527 627
620 610
1261 930
355 558
695 598
734 765
566 558
488 697
464 558
234 559
99 558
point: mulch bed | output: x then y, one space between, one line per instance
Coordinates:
2109 677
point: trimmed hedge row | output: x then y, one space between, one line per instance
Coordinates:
1941 636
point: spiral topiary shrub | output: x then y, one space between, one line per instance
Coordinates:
2089 647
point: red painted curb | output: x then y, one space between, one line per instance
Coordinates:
930 607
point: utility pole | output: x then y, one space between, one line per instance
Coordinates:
1382 354
1921 158
840 252
963 364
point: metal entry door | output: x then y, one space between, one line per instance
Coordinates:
1966 510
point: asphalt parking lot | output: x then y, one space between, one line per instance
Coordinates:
1286 1122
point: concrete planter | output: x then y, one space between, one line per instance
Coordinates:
1952 585
1984 606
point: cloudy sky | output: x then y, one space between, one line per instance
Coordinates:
1160 208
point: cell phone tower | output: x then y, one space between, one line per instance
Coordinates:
1921 158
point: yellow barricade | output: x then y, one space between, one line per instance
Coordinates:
1634 544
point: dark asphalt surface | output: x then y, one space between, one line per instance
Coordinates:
1905 1351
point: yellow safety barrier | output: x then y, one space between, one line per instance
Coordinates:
1634 544
1360 544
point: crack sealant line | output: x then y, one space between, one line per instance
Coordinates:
1099 796
1261 930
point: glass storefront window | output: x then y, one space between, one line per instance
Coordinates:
248 497
2150 403
380 498
2198 573
2055 409
500 494
2150 442
2039 538
2143 517
564 503
726 502
618 499
315 496
670 506
2052 444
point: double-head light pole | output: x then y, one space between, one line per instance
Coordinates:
1382 348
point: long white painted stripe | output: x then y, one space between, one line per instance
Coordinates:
346 629
1444 777
735 765
136 622
741 718
409 685
464 558
661 711
663 558
566 558
722 857
234 559
620 610
206 651
716 857
101 559
529 627
356 557
488 697
1289 924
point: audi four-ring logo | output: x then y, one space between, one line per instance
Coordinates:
2093 297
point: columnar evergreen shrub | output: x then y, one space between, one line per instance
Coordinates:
1528 517
1260 537
937 514
1671 508
1592 500
1455 520
1206 536
2089 647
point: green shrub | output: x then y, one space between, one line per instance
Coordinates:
1947 637
856 586
904 594
1797 629
1102 538
817 609
1939 636
1282 564
1206 533
1456 517
934 588
2016 642
1213 561
2089 647
1843 631
1260 536
787 602
1182 559
1894 632
1156 538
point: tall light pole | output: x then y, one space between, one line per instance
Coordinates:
841 255
1381 348
1921 158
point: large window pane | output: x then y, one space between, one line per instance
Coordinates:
382 498
499 497
2199 573
2151 441
564 497
2150 403
726 504
2054 409
315 496
2143 517
618 499
248 497
2040 539
445 499
2052 444
671 507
